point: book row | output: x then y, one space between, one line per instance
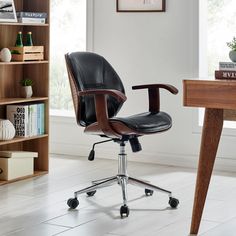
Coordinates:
28 119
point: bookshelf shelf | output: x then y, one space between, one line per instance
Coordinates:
11 73
36 173
7 101
23 62
17 140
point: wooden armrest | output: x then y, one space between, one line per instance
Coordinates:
114 93
100 99
168 87
154 94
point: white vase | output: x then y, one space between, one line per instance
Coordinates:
5 55
232 56
7 130
27 91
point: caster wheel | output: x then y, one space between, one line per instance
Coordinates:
124 211
90 194
148 192
73 203
173 202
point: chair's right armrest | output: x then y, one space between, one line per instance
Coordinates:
168 87
154 95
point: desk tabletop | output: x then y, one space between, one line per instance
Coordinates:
210 93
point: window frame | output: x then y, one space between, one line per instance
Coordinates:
63 114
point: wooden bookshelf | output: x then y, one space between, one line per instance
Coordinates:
12 72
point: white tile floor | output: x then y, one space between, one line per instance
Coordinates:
37 207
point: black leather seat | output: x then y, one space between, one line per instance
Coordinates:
147 123
98 95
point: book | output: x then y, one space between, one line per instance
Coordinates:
23 14
33 129
227 66
18 154
19 116
31 20
40 119
42 111
222 74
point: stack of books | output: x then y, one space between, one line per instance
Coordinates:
227 70
31 17
28 119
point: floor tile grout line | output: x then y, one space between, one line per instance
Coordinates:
61 232
71 227
54 218
75 227
111 234
67 227
220 224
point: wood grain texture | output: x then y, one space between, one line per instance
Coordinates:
9 83
230 115
102 116
40 76
41 146
74 90
213 123
210 94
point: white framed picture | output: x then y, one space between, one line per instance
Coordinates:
140 5
7 11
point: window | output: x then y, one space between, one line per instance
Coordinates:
217 27
221 29
68 34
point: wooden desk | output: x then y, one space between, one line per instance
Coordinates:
219 99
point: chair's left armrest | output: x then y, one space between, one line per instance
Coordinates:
154 94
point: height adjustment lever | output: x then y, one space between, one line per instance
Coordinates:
92 152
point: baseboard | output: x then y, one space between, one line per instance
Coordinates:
167 159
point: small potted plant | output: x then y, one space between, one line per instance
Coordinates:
26 90
232 46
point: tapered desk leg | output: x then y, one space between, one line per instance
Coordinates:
212 127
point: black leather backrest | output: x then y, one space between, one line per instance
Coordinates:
91 71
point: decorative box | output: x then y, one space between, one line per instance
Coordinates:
20 164
27 53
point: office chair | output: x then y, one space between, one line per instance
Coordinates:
98 95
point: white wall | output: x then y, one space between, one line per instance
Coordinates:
147 48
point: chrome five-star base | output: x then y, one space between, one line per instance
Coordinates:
123 179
